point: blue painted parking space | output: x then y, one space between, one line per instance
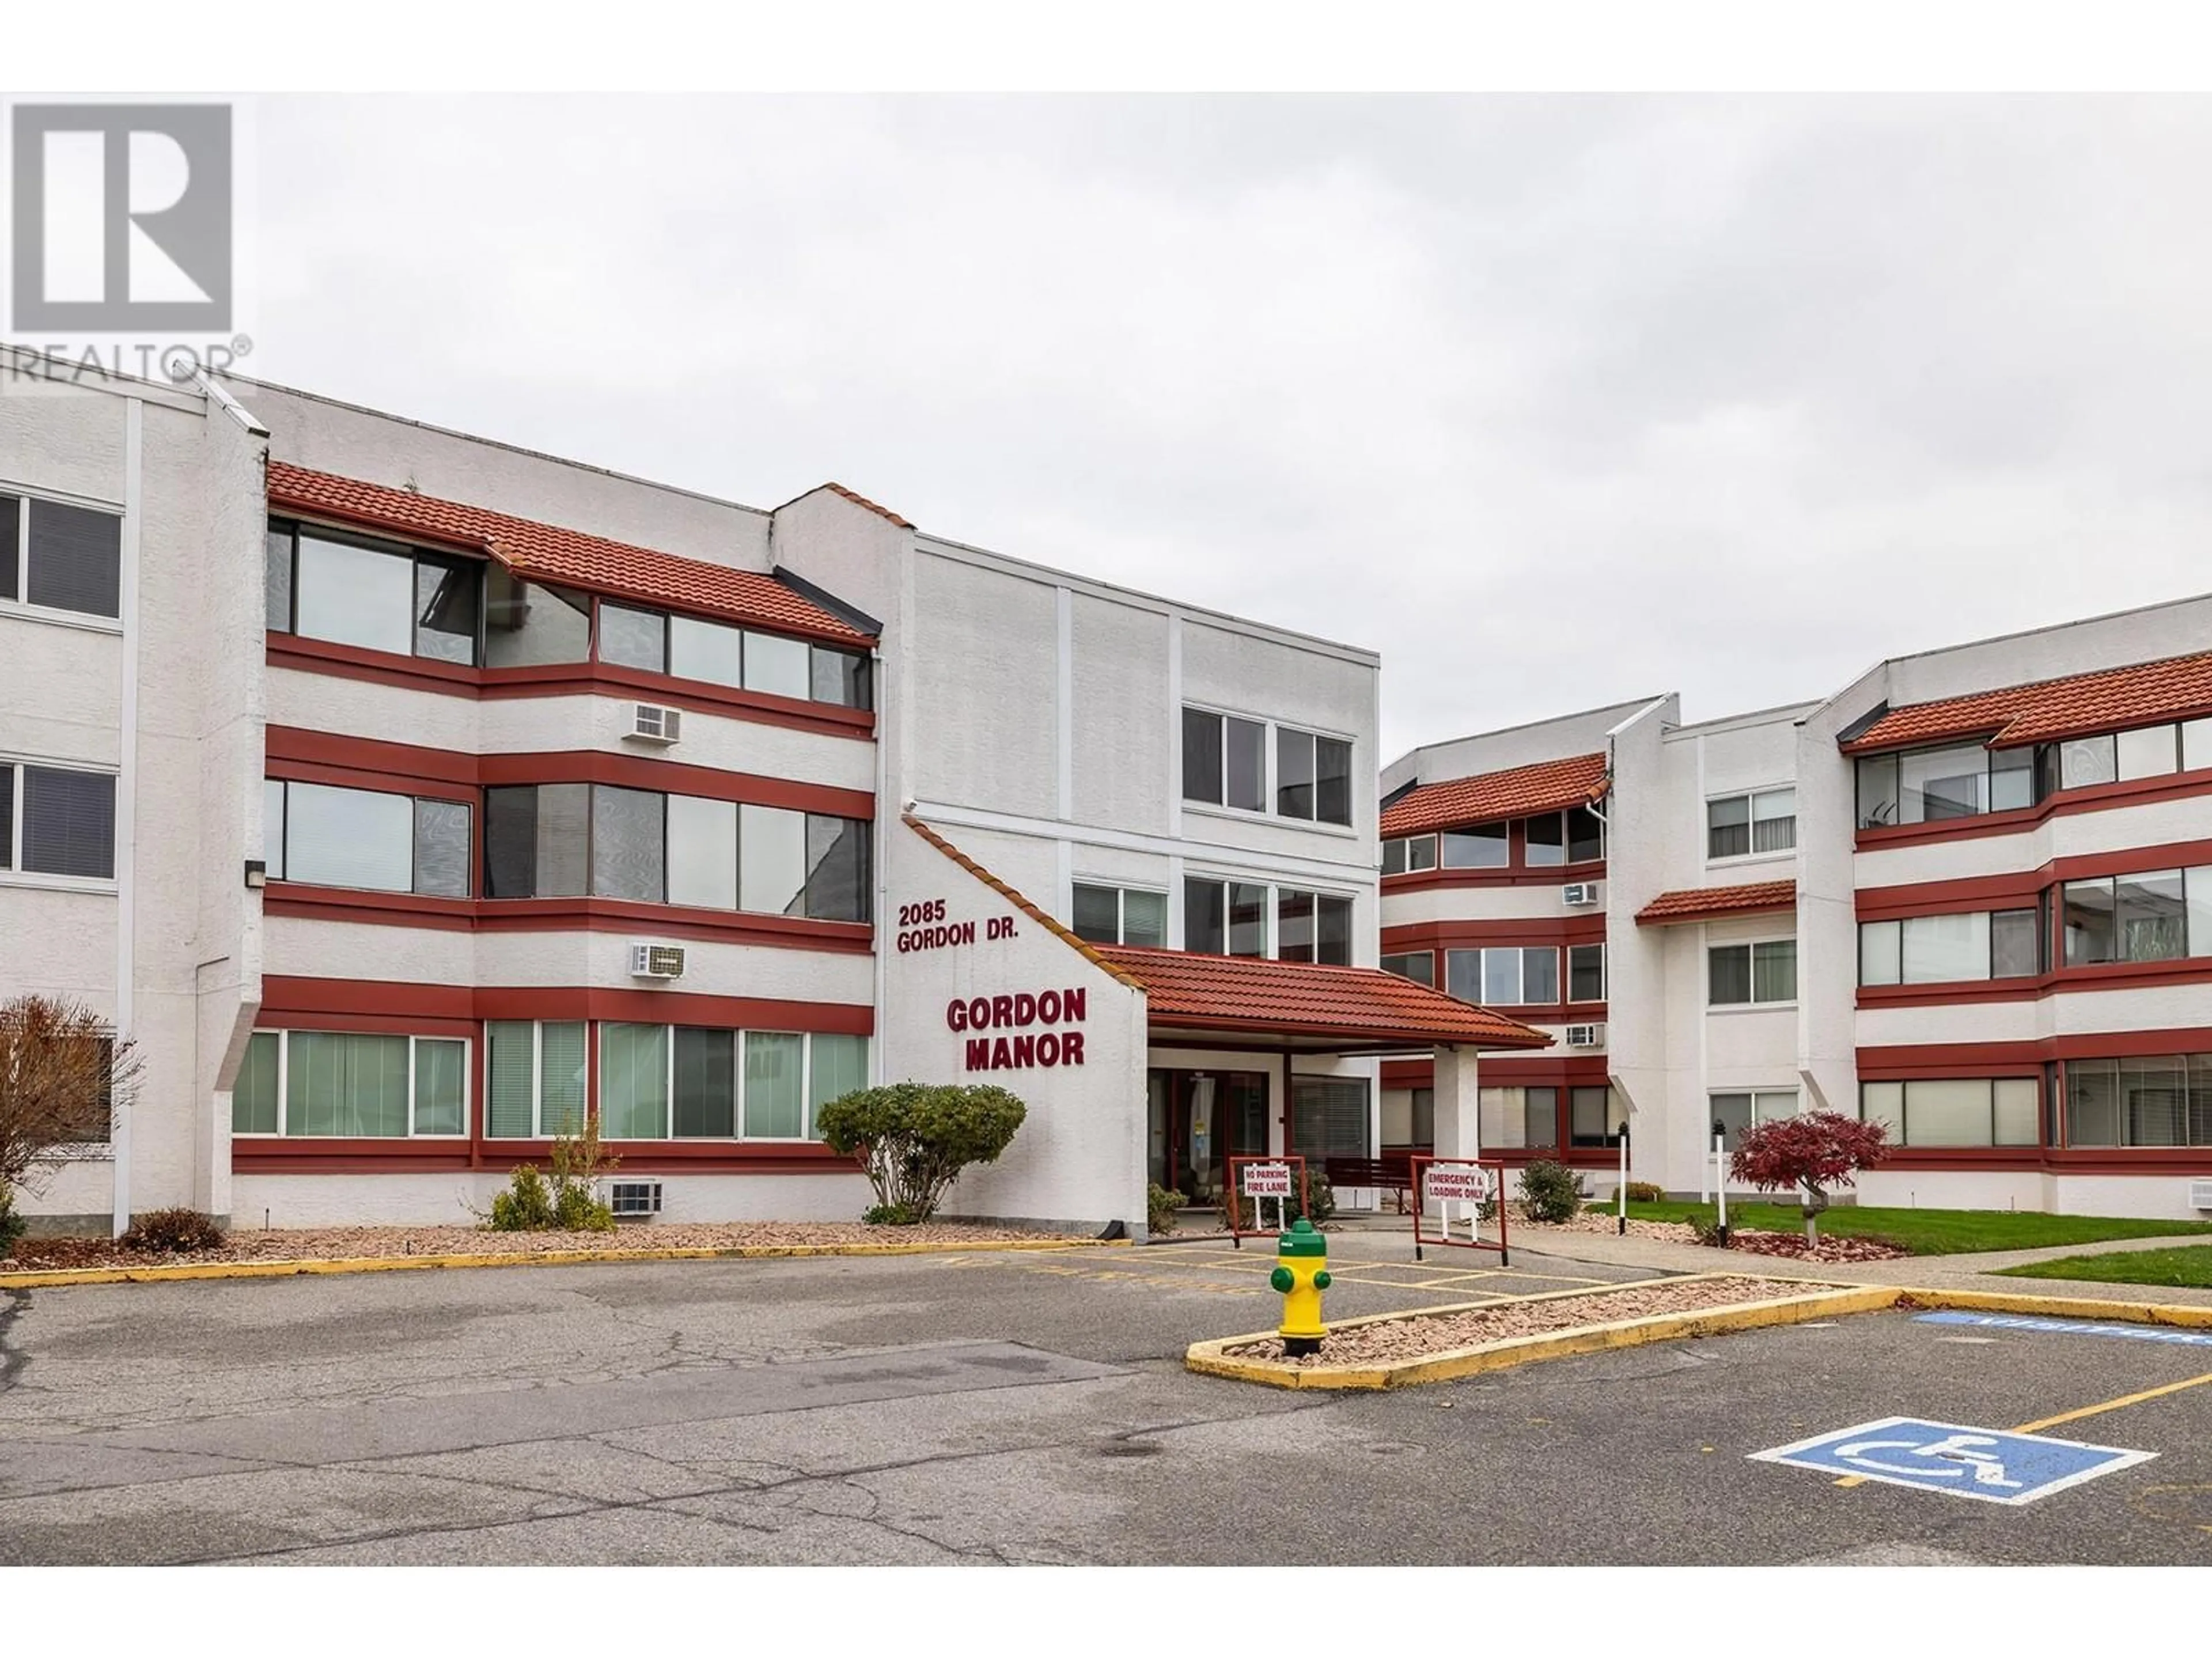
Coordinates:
1990 1466
2173 1337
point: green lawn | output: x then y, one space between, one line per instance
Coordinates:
2188 1264
1934 1232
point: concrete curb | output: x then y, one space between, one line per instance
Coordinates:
1212 1359
62 1277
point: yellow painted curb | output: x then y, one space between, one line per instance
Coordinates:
1212 1359
61 1277
2183 1314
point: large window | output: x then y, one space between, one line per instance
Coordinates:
351 1085
1740 826
1313 776
1226 762
1954 1111
1251 919
1312 927
1516 1118
1504 976
529 624
378 595
1596 1115
562 840
56 820
1927 785
1739 1110
331 837
61 557
1418 965
1763 971
687 1083
1586 973
1330 1117
1478 847
2154 915
1407 853
2157 1100
722 653
535 1079
1120 915
1940 950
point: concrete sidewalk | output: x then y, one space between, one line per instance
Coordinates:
1977 1272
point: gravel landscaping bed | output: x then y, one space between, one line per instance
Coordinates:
1830 1249
343 1244
1393 1341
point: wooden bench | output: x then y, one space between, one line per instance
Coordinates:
1392 1173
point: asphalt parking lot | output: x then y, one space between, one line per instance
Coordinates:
1028 1408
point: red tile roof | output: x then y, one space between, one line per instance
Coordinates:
1362 1005
2110 700
552 554
1547 786
1187 991
1704 903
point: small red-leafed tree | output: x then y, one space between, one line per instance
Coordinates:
62 1070
1811 1153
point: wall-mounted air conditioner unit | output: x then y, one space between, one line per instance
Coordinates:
2200 1194
657 961
654 722
1585 1036
1579 892
630 1199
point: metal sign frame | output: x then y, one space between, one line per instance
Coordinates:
1237 1231
1474 1240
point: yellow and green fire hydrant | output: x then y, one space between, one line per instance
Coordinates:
1301 1274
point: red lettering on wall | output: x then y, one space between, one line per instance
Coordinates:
1025 1049
1071 1048
979 1053
1071 1005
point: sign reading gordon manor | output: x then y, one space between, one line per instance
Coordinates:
1019 1013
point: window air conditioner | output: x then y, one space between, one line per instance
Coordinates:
2200 1194
1579 892
655 722
631 1198
657 961
1585 1036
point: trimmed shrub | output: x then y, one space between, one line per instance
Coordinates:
526 1206
1160 1207
912 1139
1646 1192
1551 1192
174 1233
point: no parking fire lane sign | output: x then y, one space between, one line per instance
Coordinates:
1989 1465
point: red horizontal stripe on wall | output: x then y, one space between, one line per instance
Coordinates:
2098 976
371 763
302 1155
554 916
1586 1071
1551 875
565 679
2054 1161
289 1001
1576 929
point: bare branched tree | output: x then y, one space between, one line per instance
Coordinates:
61 1072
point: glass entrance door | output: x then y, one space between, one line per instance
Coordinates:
1195 1121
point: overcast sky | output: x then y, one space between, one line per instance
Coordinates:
1554 401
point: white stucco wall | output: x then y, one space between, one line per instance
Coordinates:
1079 1155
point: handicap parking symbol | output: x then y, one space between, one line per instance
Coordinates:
1989 1465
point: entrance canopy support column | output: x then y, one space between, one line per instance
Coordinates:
1458 1104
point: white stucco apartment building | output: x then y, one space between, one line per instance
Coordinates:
406 796
1968 895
